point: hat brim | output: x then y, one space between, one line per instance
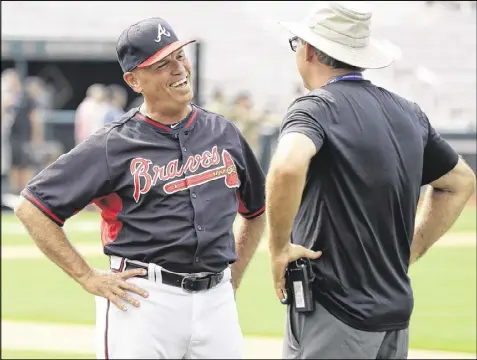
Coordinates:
166 51
374 56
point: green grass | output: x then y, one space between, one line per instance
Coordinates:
444 284
444 316
46 293
24 354
13 234
467 221
83 228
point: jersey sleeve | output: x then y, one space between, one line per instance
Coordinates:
304 116
439 156
251 193
72 181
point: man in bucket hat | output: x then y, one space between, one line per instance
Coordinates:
342 193
169 178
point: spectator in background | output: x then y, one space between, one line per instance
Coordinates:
26 134
41 153
268 135
118 98
91 112
38 90
11 94
11 90
246 118
218 103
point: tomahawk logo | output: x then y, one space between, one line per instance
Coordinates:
161 31
144 181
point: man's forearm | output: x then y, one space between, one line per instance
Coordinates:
52 241
440 209
284 193
247 239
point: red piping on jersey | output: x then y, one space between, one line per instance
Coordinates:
256 213
29 196
110 206
152 122
194 114
163 127
242 209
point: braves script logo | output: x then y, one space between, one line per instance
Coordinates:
161 31
140 171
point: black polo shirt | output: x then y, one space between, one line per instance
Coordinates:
167 195
375 151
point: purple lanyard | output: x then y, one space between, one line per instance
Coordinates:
346 77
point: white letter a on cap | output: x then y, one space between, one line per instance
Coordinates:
161 31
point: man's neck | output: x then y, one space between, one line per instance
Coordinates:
322 79
165 116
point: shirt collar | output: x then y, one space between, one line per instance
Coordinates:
189 121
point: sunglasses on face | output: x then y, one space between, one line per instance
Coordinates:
294 41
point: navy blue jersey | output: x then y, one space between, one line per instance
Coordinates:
167 195
375 150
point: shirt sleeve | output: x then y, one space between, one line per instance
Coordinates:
439 156
251 193
72 181
303 117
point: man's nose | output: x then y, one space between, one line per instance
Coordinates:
178 68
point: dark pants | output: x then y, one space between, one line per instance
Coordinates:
19 157
267 144
320 335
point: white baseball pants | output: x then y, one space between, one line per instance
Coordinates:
171 323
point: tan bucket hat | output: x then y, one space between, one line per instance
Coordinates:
342 30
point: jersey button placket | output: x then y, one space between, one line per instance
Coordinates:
183 149
182 139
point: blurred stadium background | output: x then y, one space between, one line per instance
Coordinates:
61 81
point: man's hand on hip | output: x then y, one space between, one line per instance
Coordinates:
113 286
280 261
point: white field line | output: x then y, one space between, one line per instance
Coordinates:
92 228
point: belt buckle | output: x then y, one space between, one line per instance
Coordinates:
183 282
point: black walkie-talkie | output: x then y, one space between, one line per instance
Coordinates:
299 281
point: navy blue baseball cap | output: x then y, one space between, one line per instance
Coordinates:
146 42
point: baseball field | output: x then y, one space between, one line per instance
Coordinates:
47 315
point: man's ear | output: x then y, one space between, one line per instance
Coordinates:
309 52
131 79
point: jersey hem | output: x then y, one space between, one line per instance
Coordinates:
189 268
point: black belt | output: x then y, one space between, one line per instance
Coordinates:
189 283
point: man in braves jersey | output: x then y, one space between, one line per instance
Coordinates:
169 178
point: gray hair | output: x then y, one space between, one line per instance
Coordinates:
325 59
